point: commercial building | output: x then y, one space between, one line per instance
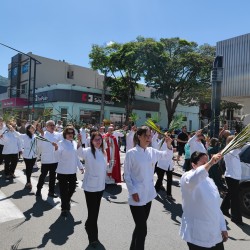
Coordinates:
73 92
236 73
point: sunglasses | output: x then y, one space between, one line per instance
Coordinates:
96 140
70 133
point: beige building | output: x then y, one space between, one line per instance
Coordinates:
73 92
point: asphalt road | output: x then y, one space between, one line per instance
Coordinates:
31 223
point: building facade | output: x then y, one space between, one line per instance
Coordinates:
72 92
236 72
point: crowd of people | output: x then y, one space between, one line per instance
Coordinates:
95 151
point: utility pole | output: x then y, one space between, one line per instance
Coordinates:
216 79
34 76
104 88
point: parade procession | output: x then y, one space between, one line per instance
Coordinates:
88 157
124 125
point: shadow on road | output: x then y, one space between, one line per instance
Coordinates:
59 231
171 207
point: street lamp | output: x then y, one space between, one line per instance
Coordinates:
216 78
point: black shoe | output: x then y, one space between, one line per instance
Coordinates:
7 177
64 213
239 223
52 195
38 193
226 213
170 198
94 244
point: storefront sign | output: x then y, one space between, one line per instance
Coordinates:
14 102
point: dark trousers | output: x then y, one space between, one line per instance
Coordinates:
29 163
10 163
67 186
45 168
140 215
1 155
232 200
93 200
218 246
160 173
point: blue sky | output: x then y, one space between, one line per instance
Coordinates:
66 29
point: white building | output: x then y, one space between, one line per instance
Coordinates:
236 73
74 93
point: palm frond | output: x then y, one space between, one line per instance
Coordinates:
176 123
239 140
134 117
153 126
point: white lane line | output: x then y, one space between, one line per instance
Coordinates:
8 210
55 202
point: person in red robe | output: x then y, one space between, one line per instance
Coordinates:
113 156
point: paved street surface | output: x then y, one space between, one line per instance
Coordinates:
30 223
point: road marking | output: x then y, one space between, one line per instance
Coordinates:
8 210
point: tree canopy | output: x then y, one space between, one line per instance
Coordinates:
176 69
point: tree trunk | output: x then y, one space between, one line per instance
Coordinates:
171 107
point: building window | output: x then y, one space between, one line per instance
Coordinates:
190 125
70 74
117 118
25 68
24 88
64 113
91 117
14 72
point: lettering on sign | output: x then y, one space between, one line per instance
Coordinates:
41 98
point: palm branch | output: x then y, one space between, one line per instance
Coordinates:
238 141
176 123
153 126
134 117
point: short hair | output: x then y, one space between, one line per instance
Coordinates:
196 156
66 130
49 122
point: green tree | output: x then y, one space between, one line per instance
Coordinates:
100 60
123 64
176 69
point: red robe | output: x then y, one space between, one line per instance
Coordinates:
116 171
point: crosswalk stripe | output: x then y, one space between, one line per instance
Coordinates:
8 210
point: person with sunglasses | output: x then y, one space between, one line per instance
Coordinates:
68 162
49 158
93 181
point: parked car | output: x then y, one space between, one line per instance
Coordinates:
245 180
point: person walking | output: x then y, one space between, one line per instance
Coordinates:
12 148
49 159
182 139
165 166
233 177
139 167
68 162
203 225
2 129
29 151
93 182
